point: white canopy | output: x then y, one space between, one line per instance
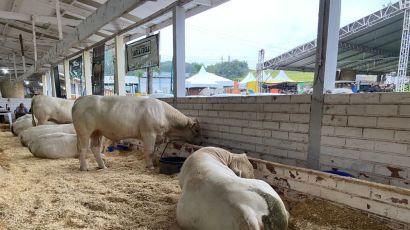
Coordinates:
205 79
282 77
248 78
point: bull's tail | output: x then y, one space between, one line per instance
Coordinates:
33 121
277 217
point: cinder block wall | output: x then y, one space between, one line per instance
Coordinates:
367 135
266 127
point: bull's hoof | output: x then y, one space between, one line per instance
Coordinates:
102 168
83 169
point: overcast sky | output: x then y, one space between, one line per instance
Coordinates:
240 28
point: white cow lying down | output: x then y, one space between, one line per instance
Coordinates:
46 108
32 133
23 123
214 197
54 146
123 117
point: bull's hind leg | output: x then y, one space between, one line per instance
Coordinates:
95 148
82 148
149 145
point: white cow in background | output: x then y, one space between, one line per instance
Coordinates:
214 197
23 123
54 146
123 117
45 108
32 133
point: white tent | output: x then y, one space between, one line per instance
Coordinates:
282 77
248 78
205 79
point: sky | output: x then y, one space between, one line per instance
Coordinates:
240 28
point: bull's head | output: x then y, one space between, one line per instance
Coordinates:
191 133
241 166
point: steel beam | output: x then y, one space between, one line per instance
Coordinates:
40 18
105 14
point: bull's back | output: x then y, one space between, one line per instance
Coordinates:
113 116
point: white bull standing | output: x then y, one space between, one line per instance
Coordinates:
46 108
214 197
123 117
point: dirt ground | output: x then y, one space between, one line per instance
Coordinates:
55 194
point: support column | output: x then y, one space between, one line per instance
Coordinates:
119 77
67 79
49 83
53 82
14 65
87 72
58 14
329 16
33 23
178 28
404 52
44 82
332 45
22 52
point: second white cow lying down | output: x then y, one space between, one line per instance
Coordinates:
23 123
55 146
32 133
214 197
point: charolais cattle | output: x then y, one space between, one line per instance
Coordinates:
23 123
46 108
54 146
31 134
218 193
123 117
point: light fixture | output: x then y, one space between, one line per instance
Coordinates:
26 82
5 70
40 84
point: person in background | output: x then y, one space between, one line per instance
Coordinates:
21 110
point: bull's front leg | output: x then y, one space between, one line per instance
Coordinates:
82 148
149 145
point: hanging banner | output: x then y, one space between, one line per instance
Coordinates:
57 81
76 68
76 75
143 53
98 70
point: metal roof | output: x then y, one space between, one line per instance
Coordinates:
370 45
16 15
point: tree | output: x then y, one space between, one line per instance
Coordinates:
229 70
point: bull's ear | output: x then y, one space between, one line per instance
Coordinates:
195 124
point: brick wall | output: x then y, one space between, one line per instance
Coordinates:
367 135
265 127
